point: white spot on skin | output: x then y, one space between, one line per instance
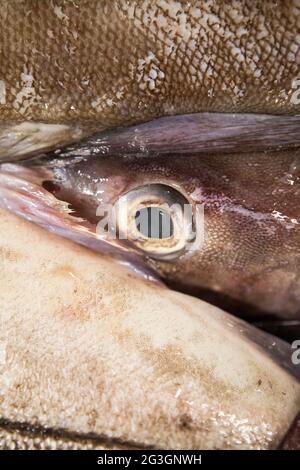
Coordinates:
238 92
50 33
59 13
241 31
2 92
149 75
96 103
70 49
119 94
153 74
189 29
285 220
195 12
151 85
75 35
237 53
110 102
172 8
27 95
225 204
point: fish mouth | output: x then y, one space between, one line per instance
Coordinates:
22 192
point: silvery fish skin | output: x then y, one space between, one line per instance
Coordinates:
104 359
112 62
249 259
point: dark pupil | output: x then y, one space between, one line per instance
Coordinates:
154 222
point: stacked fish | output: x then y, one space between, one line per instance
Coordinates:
150 214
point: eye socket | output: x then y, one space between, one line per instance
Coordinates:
156 220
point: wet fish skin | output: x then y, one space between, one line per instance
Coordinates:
250 257
89 364
114 61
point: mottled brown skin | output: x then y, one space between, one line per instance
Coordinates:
114 61
250 255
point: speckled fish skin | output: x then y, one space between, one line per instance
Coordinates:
115 61
103 359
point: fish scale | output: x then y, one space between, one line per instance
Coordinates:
116 61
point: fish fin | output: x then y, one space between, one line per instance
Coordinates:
195 133
24 140
183 134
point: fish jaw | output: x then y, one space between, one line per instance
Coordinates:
22 193
179 372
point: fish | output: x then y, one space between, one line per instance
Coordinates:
114 62
150 58
94 356
246 258
74 74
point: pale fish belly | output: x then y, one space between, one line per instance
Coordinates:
89 363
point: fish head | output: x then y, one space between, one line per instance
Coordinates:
206 203
223 226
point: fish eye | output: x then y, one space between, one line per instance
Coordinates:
154 222
157 219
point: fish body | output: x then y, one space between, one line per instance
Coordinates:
93 356
111 62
